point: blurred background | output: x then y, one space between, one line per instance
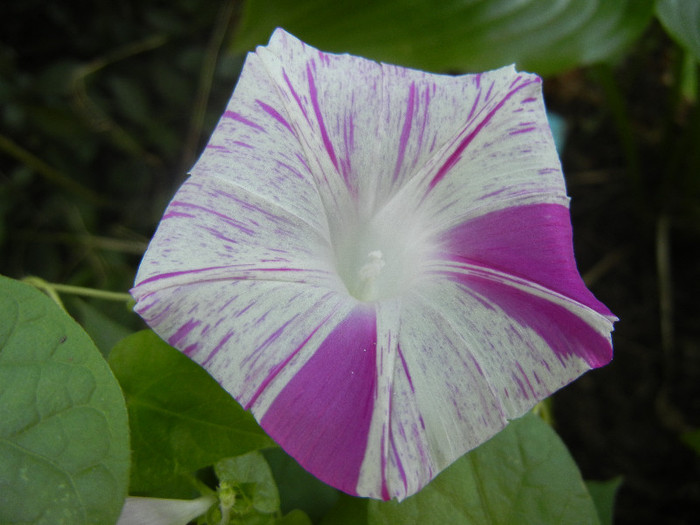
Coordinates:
104 106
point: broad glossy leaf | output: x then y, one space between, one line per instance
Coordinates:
543 36
522 475
64 444
181 419
681 18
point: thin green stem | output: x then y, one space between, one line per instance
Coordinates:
53 289
42 285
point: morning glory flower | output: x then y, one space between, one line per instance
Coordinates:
377 262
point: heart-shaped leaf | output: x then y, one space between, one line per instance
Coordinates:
64 444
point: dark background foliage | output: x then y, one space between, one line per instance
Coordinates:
104 106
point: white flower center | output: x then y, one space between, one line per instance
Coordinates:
379 258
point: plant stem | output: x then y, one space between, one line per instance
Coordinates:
52 289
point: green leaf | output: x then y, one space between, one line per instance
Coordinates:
347 511
103 330
522 475
64 443
252 475
181 419
296 517
603 494
681 18
298 489
544 36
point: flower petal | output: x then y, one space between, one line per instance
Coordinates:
156 511
252 336
470 355
323 414
531 241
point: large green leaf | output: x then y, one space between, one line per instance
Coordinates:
544 36
681 18
64 443
522 475
181 419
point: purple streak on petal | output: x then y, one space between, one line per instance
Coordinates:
474 105
301 159
488 93
173 214
529 385
240 118
399 464
190 349
563 331
183 331
524 130
456 154
424 120
176 274
243 144
217 147
274 114
405 367
319 117
385 488
227 219
216 349
323 415
406 131
295 95
529 100
291 169
325 58
279 367
533 242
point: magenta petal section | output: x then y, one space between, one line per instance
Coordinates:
532 241
565 332
322 416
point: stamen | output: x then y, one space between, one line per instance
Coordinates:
368 274
374 265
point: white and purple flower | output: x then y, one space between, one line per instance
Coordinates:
377 262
